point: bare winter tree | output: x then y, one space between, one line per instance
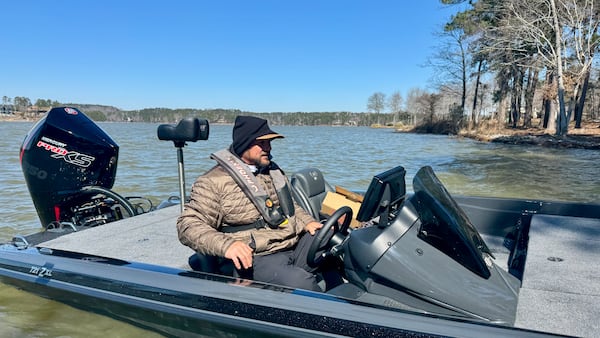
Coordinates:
580 23
467 30
395 104
376 102
557 36
414 104
21 103
451 64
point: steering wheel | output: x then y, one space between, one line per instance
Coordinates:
329 242
131 210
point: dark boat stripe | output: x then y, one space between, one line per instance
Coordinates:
213 305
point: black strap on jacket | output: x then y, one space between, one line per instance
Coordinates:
241 174
258 224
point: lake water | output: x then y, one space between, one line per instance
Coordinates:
348 156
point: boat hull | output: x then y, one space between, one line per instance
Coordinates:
183 303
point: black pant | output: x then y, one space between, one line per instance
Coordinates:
286 268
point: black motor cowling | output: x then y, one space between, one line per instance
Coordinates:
67 160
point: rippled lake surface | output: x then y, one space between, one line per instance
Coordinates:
348 156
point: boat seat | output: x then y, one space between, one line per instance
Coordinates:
309 189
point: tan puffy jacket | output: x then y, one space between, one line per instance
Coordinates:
217 201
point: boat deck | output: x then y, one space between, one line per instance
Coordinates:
560 291
148 238
561 283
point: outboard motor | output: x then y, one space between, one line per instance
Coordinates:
70 166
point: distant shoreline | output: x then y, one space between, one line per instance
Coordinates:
5 118
576 139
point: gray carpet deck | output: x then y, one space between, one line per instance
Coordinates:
561 283
148 238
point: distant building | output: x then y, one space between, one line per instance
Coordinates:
7 109
38 109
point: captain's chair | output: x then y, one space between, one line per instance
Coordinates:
309 189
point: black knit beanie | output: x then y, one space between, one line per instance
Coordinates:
247 129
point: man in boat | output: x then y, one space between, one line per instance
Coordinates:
242 210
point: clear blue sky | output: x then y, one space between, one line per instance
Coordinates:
259 56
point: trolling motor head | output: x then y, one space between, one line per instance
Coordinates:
187 130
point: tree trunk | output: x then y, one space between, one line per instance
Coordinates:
503 92
573 102
463 98
532 79
547 106
481 96
548 101
475 96
514 115
520 97
515 106
562 123
581 102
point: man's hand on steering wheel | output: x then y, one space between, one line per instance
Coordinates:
312 227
